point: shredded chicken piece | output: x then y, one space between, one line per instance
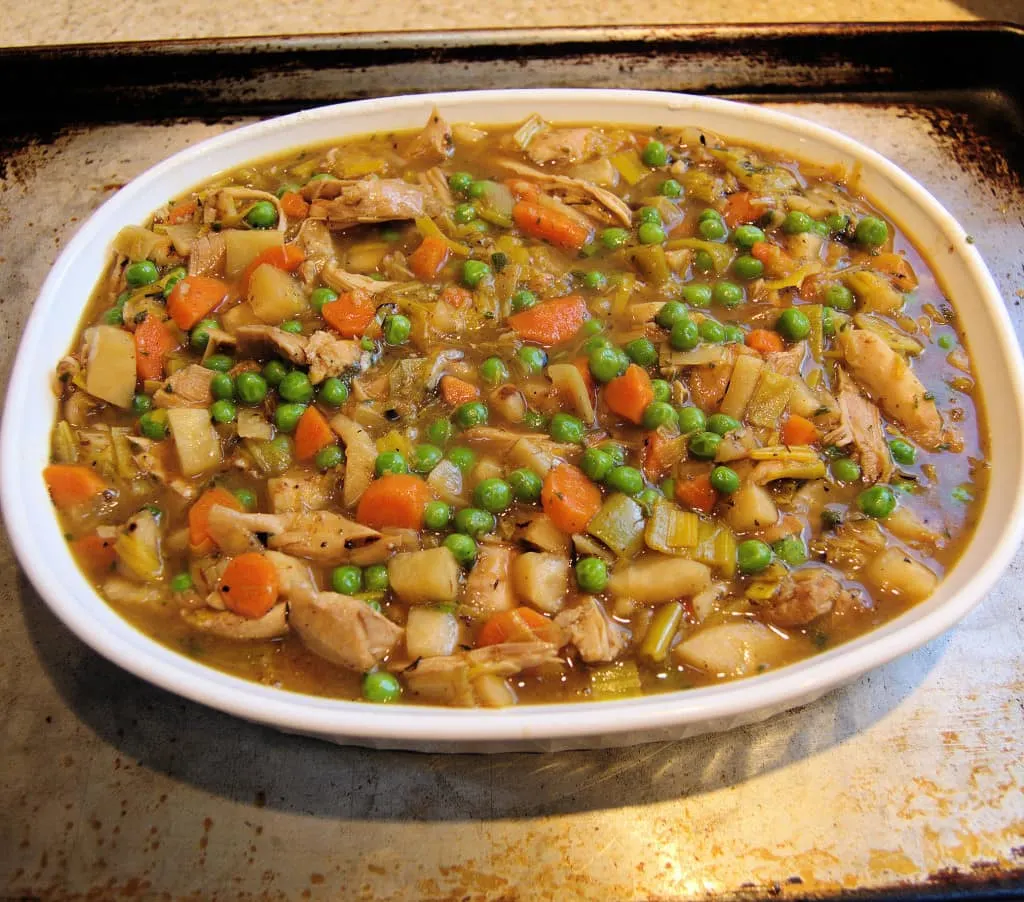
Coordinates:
127 591
208 255
321 536
315 241
709 383
299 491
341 280
592 632
328 355
586 197
156 460
802 598
392 541
565 145
861 424
188 387
228 625
235 531
371 200
269 341
435 180
344 630
788 362
360 455
294 576
435 143
488 586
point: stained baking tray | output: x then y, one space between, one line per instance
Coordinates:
906 783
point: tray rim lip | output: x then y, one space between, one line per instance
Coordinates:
332 718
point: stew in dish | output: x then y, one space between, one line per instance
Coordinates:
485 416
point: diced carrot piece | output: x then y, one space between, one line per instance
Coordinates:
520 625
426 261
798 430
457 391
741 208
697 493
193 298
776 261
551 225
294 205
394 500
182 212
73 484
456 296
629 394
199 517
288 257
569 498
250 585
312 433
351 314
655 455
95 555
764 341
551 322
153 342
522 189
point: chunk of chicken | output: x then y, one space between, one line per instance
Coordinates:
360 455
392 541
322 536
371 200
788 362
489 585
294 576
329 355
802 598
228 625
435 143
342 280
452 679
343 630
234 532
208 255
565 145
435 181
187 387
260 342
583 196
893 384
300 491
594 635
861 424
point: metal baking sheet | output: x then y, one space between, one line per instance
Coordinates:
909 781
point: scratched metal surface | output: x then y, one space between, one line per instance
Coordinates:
911 778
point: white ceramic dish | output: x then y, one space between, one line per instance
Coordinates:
30 410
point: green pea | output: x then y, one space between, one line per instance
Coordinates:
464 213
668 488
462 547
474 272
753 556
945 342
651 233
375 578
747 267
614 238
727 294
322 177
712 331
839 297
463 458
654 154
596 464
153 424
902 452
381 687
713 229
368 344
182 582
615 451
820 228
493 495
662 390
223 411
390 462
628 480
472 413
659 413
595 280
333 392
141 404
704 445
642 352
397 329
274 371
329 457
114 316
734 334
474 522
685 335
221 363
605 364
708 215
791 550
478 188
703 261
746 236
566 428
877 501
437 515
141 273
251 387
173 278
523 299
262 215
837 222
287 188
526 485
796 222
697 295
871 232
292 326
722 424
725 480
648 214
287 416
440 431
296 387
671 313
670 188
532 359
493 370
222 387
321 296
425 457
591 575
459 182
648 499
246 497
691 419
793 324
845 470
